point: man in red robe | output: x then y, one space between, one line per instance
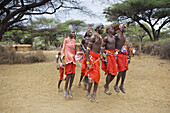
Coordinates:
84 42
109 65
92 61
121 58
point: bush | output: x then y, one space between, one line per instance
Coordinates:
165 51
9 56
158 49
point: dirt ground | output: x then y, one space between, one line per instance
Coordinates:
32 88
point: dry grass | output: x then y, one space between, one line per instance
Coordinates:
9 56
157 49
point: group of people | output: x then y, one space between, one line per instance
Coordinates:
112 50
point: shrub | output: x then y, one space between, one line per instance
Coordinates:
9 56
165 51
158 49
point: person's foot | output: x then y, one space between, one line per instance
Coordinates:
65 93
70 94
90 98
106 90
87 94
122 89
116 89
79 85
60 90
94 98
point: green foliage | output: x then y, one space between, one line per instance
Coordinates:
47 31
77 25
151 12
18 36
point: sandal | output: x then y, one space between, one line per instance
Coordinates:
65 93
116 89
106 90
122 89
90 98
94 98
60 90
70 95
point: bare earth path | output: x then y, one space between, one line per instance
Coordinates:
33 88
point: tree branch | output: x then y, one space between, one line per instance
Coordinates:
22 2
144 28
4 3
25 8
45 11
16 19
164 23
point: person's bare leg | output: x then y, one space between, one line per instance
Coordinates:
109 78
71 82
89 89
122 82
59 83
117 81
107 83
79 85
88 92
94 91
66 85
85 80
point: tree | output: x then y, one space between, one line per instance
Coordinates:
18 36
77 25
153 12
135 31
14 12
48 29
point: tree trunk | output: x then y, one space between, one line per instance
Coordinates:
2 31
144 28
157 35
140 43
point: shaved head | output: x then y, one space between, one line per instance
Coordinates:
71 33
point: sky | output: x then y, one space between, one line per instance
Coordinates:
94 5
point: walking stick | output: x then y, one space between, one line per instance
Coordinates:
64 76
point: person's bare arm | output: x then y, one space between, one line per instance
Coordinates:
89 47
102 49
82 46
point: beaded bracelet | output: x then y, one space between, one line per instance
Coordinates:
87 62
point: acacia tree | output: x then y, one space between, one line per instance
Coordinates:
48 29
13 12
77 25
153 12
135 31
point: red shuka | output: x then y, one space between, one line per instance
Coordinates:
94 70
61 70
70 68
122 62
84 66
111 66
